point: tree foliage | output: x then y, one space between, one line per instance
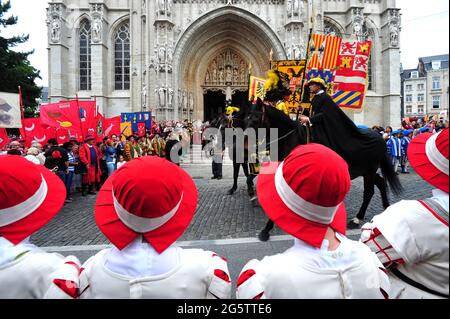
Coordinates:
15 68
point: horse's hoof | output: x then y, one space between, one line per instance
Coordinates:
251 193
355 223
264 235
231 191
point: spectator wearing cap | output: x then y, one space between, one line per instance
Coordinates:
405 140
143 215
394 149
30 196
304 196
72 164
90 157
411 237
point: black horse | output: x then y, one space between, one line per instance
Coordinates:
292 133
235 149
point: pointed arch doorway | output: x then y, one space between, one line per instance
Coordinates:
214 104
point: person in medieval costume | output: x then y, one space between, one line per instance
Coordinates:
145 262
278 90
331 127
304 196
411 237
90 156
132 149
30 196
159 145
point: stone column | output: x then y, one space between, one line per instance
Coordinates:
99 55
163 58
137 58
295 35
391 67
58 52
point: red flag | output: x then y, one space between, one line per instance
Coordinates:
3 138
89 117
141 129
111 126
32 130
62 115
62 135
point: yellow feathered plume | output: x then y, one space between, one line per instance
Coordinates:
272 81
231 109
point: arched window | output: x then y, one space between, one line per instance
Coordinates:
122 58
330 29
85 56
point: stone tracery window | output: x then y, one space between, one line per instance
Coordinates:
122 58
85 56
330 29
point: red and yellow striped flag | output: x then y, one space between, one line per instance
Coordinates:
323 51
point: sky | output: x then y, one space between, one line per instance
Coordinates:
425 31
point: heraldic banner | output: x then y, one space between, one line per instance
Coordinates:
135 123
10 114
256 89
295 70
343 65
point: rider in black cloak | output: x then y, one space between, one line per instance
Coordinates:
331 127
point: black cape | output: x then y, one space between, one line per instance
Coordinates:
362 149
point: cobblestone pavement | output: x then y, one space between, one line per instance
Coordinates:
218 216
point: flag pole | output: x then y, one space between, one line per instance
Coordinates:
79 116
22 111
304 69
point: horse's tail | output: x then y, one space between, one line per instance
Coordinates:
390 175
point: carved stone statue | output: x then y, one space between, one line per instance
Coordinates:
162 55
235 76
171 95
393 31
165 6
184 99
229 74
169 55
56 30
296 7
144 96
221 76
162 97
97 30
191 101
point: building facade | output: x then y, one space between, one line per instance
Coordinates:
184 58
415 93
426 88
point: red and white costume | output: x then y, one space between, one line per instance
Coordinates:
304 196
138 271
306 272
143 215
411 237
30 195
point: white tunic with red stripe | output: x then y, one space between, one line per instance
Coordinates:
138 271
305 272
27 272
410 235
